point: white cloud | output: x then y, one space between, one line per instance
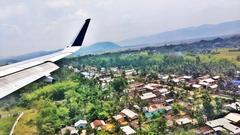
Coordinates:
12 10
59 3
81 13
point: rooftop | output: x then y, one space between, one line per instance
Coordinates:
128 130
183 121
97 123
80 122
235 117
148 96
129 113
226 123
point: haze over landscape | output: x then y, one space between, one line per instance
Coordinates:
149 67
27 26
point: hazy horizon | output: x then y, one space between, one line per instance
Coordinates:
28 26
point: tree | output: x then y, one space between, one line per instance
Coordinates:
119 84
177 108
207 106
219 106
199 116
158 126
238 58
47 129
162 125
153 76
101 132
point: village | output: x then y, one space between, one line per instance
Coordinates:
176 98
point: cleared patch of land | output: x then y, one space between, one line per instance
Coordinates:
27 124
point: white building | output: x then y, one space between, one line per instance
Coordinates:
81 124
233 106
148 95
197 86
130 114
183 121
128 130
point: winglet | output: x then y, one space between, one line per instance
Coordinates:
79 40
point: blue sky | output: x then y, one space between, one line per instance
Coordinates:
33 25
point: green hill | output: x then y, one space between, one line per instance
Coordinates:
100 47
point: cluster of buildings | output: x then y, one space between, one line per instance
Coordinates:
229 124
158 97
127 119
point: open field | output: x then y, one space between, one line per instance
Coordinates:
27 124
224 53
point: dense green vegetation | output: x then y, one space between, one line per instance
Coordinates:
153 62
65 102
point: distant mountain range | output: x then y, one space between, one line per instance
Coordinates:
190 33
193 34
100 47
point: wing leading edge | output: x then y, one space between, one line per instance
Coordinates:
18 75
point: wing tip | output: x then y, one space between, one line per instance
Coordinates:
80 37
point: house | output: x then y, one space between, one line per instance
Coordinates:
75 70
84 132
176 80
165 77
130 72
97 124
136 85
137 107
149 87
166 93
127 130
153 109
120 119
106 79
186 77
168 108
163 90
169 101
183 121
48 79
114 69
227 123
130 114
206 130
214 86
148 95
103 69
197 86
88 75
209 80
81 124
233 106
203 83
216 77
234 117
69 129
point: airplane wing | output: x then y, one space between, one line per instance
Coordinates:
18 75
